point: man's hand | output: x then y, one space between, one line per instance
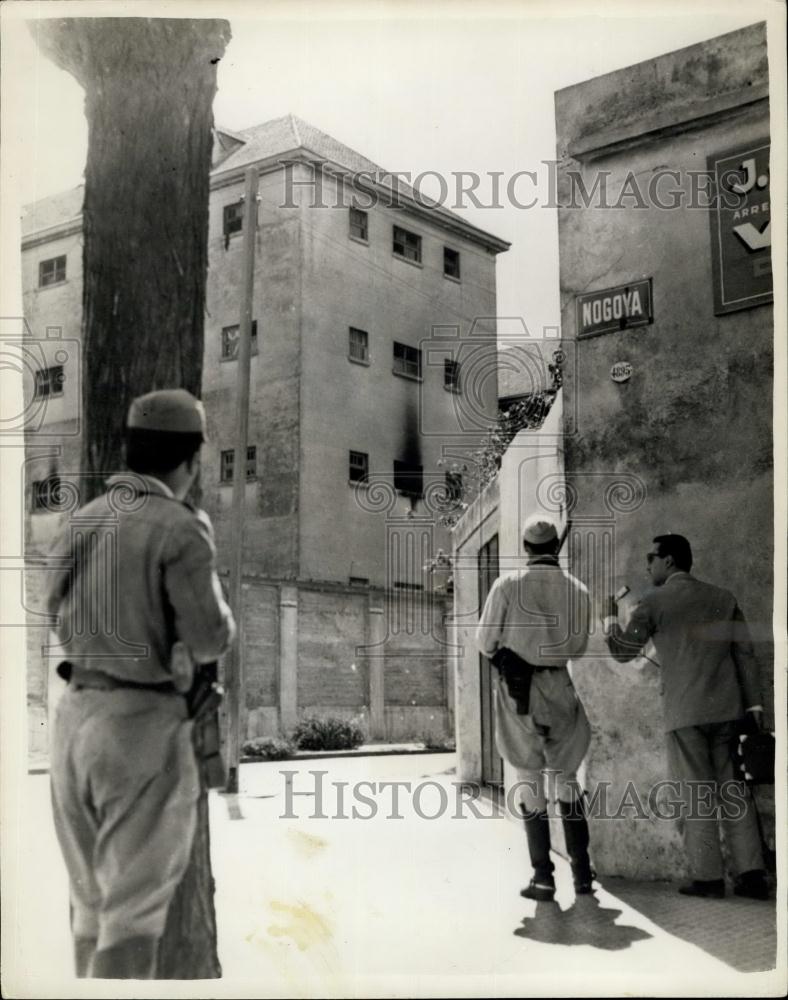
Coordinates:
754 716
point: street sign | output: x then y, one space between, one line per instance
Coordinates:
616 308
741 228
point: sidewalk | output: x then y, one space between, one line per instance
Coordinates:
403 906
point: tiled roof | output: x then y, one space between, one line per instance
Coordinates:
52 211
259 143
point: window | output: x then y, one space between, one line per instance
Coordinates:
358 581
227 467
51 271
451 263
358 346
407 360
451 375
233 218
46 494
358 467
453 488
49 382
408 479
407 245
402 585
231 339
359 225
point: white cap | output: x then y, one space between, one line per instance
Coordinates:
539 529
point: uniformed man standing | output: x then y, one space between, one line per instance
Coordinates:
533 622
710 682
133 573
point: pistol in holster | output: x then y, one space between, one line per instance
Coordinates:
203 701
516 674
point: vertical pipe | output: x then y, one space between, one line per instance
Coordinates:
235 659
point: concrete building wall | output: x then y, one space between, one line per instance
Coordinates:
271 536
688 437
349 406
309 406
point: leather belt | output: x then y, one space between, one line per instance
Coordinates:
97 680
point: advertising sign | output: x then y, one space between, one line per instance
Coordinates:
741 228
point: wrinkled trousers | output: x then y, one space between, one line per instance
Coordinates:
124 784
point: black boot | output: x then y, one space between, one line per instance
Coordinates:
134 958
573 818
752 884
537 830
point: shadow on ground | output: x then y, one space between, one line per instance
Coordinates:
585 922
740 932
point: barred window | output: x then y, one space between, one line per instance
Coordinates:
46 494
51 271
451 263
407 360
49 382
358 467
409 479
358 345
407 245
231 338
233 218
451 375
227 464
359 224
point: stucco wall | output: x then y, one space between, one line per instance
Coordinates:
689 434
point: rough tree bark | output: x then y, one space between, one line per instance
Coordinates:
149 88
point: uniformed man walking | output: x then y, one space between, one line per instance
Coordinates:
710 681
533 622
133 574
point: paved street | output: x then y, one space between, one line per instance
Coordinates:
402 907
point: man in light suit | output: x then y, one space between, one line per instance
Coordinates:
710 681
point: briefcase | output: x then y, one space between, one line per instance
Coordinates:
753 757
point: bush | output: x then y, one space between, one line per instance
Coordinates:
446 744
330 733
269 748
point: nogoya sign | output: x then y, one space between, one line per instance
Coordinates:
617 308
741 227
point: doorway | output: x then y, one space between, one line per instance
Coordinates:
492 764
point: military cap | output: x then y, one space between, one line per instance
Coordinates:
539 529
172 410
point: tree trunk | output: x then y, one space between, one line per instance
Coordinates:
149 88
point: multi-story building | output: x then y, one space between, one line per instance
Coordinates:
372 375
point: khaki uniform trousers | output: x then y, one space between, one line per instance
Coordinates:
701 756
549 743
124 785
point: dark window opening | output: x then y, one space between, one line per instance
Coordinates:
233 218
52 271
227 464
359 224
358 345
407 360
407 245
358 467
49 382
231 339
451 375
451 263
409 479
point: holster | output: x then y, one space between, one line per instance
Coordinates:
516 674
203 700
